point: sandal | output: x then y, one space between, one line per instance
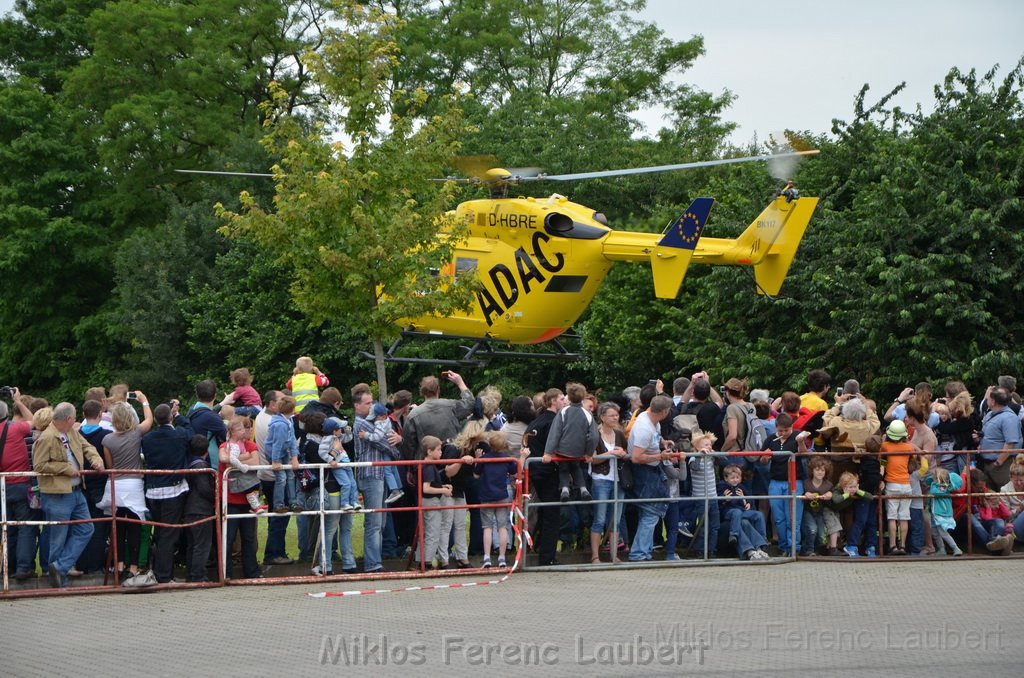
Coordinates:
595 561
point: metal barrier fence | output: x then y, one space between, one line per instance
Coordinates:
322 512
519 517
113 519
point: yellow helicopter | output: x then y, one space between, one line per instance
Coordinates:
540 261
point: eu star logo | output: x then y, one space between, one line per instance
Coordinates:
689 227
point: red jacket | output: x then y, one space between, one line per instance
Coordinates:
989 513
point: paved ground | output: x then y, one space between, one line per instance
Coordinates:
820 618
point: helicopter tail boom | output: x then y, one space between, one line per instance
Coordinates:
670 254
768 244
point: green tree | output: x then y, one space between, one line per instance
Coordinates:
358 226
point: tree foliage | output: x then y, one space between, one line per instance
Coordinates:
910 270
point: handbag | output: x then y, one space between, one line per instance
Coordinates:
625 474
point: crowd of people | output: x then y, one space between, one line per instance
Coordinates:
712 470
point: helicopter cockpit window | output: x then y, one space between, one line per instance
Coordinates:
464 265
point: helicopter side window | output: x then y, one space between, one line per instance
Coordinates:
464 265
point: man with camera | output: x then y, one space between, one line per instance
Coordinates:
14 459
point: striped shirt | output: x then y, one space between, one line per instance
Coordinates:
367 450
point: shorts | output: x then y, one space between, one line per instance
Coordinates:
494 518
832 524
897 509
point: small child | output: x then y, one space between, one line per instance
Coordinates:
862 503
434 487
701 469
493 489
199 504
1015 502
245 399
332 450
281 446
897 485
919 535
942 484
820 520
306 382
244 481
746 524
382 429
992 514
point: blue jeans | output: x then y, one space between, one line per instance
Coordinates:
285 490
17 509
347 481
987 530
643 542
373 498
915 538
277 526
332 523
392 479
67 541
781 513
865 522
748 528
711 523
812 528
1018 527
604 514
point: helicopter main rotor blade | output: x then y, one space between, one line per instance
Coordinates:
662 168
229 174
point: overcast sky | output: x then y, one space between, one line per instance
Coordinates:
797 64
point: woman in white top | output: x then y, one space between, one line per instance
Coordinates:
122 451
604 476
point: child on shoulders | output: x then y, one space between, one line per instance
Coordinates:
331 450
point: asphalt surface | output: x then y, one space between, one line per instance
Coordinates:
860 619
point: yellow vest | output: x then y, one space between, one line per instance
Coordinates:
304 389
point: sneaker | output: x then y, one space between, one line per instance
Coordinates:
258 510
833 551
1008 540
394 496
254 501
870 552
585 494
298 508
993 545
279 560
684 529
486 563
763 555
357 507
22 575
957 552
672 557
658 547
75 572
565 494
347 507
851 551
317 571
502 563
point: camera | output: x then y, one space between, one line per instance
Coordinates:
721 389
839 391
652 382
132 395
6 392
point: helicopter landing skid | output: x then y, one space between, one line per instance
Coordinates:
478 355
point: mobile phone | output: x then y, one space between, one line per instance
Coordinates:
721 389
652 382
839 391
446 374
132 396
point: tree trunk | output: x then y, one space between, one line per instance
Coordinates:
382 379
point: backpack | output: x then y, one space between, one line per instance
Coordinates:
756 435
683 427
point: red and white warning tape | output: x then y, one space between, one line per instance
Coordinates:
517 529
